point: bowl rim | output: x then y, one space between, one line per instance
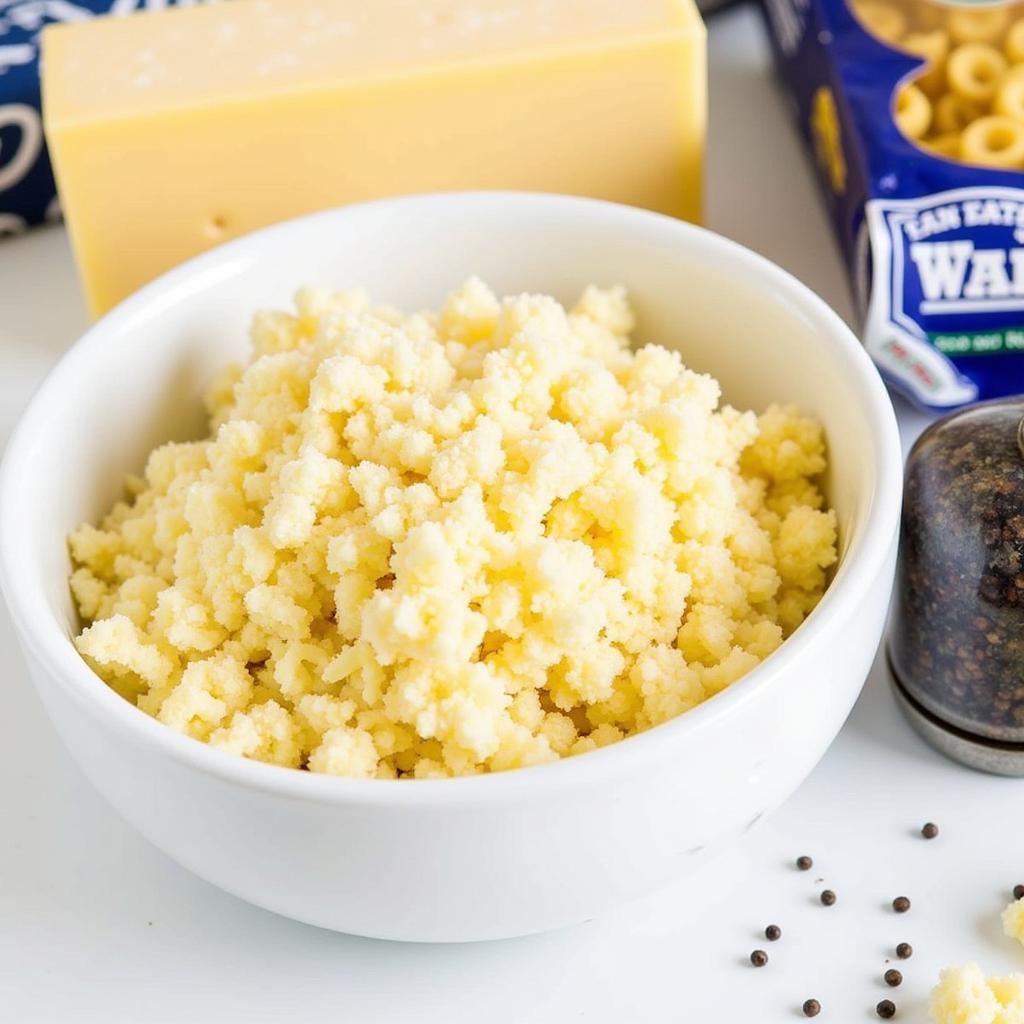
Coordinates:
49 646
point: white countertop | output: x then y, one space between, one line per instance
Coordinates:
96 925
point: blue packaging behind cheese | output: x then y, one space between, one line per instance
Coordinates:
27 191
934 243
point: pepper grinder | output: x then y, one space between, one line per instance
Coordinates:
956 641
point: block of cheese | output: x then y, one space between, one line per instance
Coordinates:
176 129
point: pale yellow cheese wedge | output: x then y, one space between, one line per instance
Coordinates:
173 130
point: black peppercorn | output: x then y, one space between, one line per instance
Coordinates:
812 1008
904 950
886 1009
804 863
759 958
893 977
1018 892
901 904
828 897
773 933
929 830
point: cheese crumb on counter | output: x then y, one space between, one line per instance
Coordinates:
964 995
1013 920
455 542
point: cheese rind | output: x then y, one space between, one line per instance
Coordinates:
175 130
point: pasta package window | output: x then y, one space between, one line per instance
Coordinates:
914 113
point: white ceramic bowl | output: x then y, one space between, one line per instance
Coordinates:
496 855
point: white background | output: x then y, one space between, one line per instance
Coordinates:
96 925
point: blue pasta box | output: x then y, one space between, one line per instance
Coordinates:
27 191
913 112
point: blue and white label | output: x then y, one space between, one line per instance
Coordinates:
948 287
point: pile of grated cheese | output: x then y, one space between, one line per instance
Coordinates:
455 542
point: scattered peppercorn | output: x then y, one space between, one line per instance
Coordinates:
812 1008
901 904
929 830
828 897
804 863
886 1009
759 958
773 933
1018 892
904 950
893 977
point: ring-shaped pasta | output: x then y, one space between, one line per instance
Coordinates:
947 146
882 20
953 113
994 141
926 14
933 47
1013 44
913 111
977 24
1010 97
973 71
